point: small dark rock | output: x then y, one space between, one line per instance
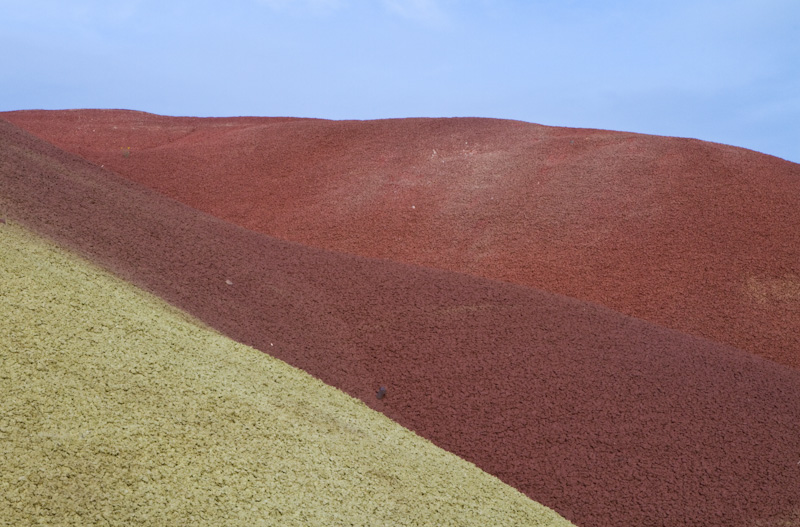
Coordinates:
381 393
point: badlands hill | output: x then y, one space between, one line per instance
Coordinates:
698 237
120 410
606 418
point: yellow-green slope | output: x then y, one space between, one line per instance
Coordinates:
118 409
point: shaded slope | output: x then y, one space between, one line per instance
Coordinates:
607 419
696 236
119 410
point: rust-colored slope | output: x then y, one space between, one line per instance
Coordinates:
696 236
607 419
125 412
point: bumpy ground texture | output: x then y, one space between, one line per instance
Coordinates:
119 410
695 236
608 419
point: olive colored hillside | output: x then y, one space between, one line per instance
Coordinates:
121 410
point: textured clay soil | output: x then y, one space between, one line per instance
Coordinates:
120 410
608 419
698 237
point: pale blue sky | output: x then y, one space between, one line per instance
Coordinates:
725 71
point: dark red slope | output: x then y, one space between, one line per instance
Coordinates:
695 236
610 420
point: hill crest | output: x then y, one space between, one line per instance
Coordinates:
695 236
579 407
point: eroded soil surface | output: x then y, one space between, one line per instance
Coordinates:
608 419
695 236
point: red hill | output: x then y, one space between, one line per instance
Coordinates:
608 419
695 236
